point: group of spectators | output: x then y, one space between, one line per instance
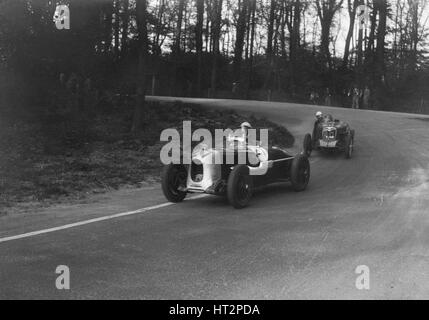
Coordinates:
355 97
360 97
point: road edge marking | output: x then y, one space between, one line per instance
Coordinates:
94 220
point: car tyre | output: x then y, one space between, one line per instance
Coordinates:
308 145
239 187
348 151
173 176
300 172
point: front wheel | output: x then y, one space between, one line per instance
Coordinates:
348 151
239 187
173 178
307 145
300 172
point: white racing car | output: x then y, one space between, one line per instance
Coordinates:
210 172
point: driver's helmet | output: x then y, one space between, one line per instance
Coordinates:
245 125
319 115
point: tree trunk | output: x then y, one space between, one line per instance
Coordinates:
294 41
116 29
252 22
271 28
352 15
282 30
371 37
177 46
324 41
414 33
269 51
381 35
359 45
125 21
216 25
326 10
177 43
207 31
199 42
141 12
241 30
248 28
107 23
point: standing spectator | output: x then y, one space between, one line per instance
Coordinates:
366 97
356 95
313 96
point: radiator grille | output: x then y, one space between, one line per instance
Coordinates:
329 134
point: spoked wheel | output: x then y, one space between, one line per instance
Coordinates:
173 179
300 172
240 187
348 151
308 145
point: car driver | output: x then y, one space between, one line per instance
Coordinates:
319 119
245 129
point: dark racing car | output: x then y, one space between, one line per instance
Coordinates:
208 174
330 134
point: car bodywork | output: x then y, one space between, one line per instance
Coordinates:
205 174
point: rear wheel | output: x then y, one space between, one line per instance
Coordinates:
239 187
308 144
348 151
173 178
300 172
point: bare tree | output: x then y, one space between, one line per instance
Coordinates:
240 34
199 42
141 13
293 21
177 43
326 10
360 40
270 33
177 46
371 37
269 52
116 28
351 8
381 36
107 18
216 26
417 29
125 22
252 24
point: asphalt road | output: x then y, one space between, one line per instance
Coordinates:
371 210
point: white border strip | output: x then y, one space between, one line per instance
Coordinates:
84 222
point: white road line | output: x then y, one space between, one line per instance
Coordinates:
84 222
